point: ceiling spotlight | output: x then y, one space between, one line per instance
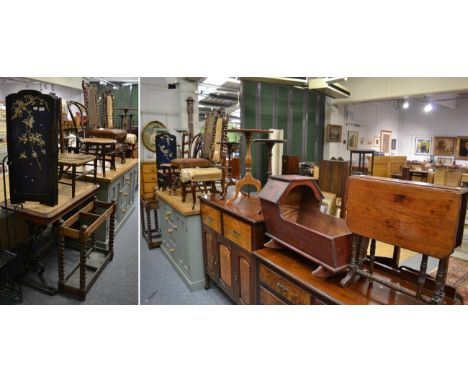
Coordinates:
428 108
405 105
102 82
115 87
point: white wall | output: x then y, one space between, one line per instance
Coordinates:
169 106
405 125
8 86
366 118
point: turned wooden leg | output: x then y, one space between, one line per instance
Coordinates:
193 186
348 279
73 180
440 285
95 170
372 259
184 191
422 277
207 283
213 188
148 219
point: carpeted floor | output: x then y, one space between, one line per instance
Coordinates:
117 284
457 277
161 285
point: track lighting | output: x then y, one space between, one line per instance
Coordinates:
428 108
405 105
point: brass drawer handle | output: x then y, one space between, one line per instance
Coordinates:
172 250
124 210
166 219
282 287
235 233
170 230
168 213
125 193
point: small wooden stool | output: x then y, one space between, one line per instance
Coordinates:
101 147
150 226
67 160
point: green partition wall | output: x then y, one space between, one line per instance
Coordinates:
124 96
299 112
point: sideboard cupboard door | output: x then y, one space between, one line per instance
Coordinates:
243 278
225 268
210 258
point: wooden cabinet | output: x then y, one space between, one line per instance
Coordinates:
386 166
181 242
229 234
122 187
286 278
333 176
148 179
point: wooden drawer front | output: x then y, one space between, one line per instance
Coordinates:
211 217
268 298
283 287
225 265
148 187
238 232
149 169
149 178
316 300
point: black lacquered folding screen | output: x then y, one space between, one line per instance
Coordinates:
32 140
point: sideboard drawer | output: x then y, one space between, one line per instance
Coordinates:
268 298
238 232
149 168
211 217
149 178
283 287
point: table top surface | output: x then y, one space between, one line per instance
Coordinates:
42 214
244 208
175 201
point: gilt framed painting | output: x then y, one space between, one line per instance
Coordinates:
444 146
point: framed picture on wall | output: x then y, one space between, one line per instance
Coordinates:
423 145
377 142
353 140
394 144
444 146
334 133
385 141
462 148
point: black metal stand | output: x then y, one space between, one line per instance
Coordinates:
10 288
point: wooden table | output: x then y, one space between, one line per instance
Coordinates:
285 277
38 217
248 179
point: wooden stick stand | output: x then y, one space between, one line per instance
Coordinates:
150 224
82 226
